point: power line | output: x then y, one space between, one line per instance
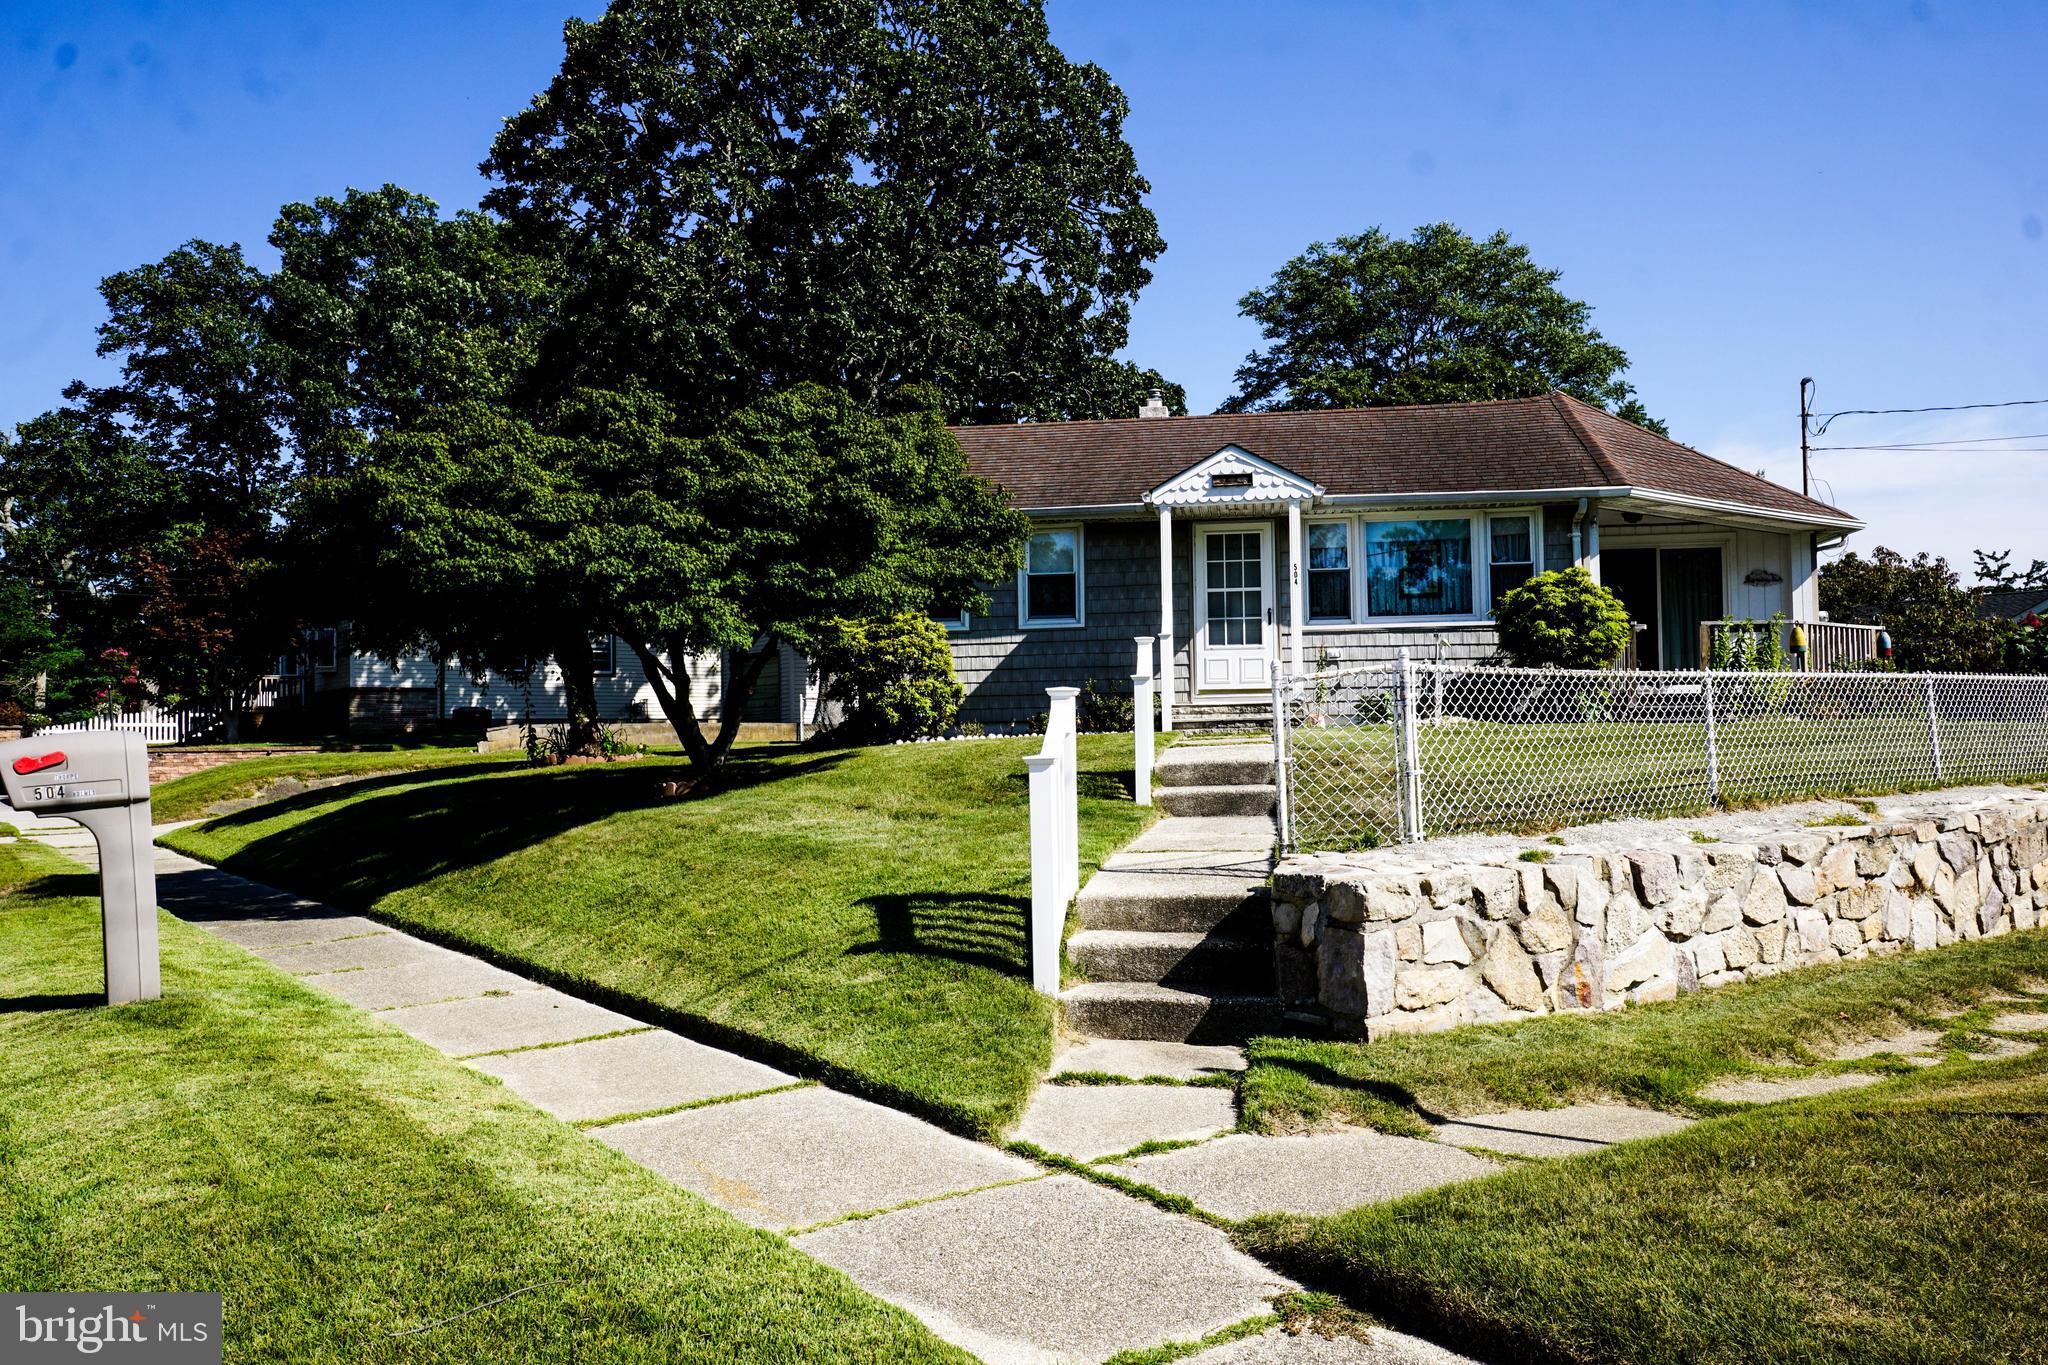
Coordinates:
1957 441
1826 418
1943 450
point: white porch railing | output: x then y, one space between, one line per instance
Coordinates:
1055 839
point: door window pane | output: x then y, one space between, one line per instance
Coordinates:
1234 575
1513 552
1329 571
1419 568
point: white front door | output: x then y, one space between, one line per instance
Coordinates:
1233 607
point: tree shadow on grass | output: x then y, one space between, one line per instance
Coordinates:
431 824
36 1004
1098 785
971 927
1386 1092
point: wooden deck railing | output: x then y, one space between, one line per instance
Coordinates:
1830 645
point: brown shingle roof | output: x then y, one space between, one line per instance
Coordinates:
1511 445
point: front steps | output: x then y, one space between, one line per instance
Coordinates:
1176 931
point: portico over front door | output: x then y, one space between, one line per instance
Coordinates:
1233 607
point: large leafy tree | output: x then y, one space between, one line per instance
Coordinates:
1932 620
747 195
1374 320
1995 572
798 511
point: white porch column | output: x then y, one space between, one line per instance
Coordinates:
1297 612
1165 673
1593 538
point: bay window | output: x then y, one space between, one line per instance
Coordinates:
1049 591
1456 566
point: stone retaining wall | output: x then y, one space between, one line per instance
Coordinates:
166 763
1403 941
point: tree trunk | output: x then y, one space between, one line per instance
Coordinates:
671 684
579 692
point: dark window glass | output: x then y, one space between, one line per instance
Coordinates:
1419 568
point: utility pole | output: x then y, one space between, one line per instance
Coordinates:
1805 453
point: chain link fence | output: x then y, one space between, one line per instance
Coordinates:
1397 752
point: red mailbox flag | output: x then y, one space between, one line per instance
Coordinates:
26 765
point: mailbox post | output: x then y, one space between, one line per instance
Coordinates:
101 780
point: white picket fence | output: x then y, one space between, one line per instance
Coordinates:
156 725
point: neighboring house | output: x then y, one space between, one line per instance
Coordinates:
368 693
1405 525
2012 604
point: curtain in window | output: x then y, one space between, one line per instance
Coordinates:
1419 568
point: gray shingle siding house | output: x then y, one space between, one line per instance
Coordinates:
1396 527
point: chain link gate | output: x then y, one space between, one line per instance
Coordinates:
1387 753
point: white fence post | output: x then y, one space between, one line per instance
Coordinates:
1141 723
1060 721
1280 738
1713 745
1407 751
1048 906
1053 774
1933 725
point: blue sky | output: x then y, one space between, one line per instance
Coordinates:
1746 193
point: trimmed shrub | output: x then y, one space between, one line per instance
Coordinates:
1562 619
893 675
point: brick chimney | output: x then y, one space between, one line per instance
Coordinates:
1155 406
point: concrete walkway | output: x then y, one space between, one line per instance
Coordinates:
995 1253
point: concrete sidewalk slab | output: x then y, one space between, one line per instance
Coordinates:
1761 1090
1245 1174
450 977
639 1072
1207 834
261 933
1139 1058
803 1156
355 954
491 1023
1090 1121
1912 1040
1568 1131
1379 1346
1054 1270
2026 1021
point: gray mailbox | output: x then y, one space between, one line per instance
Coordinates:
101 780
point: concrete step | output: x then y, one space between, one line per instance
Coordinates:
1235 833
1191 894
1128 1009
1214 765
1247 719
1216 799
1174 959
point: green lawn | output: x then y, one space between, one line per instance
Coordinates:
1488 775
1903 1222
340 1183
1650 1054
187 798
857 914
